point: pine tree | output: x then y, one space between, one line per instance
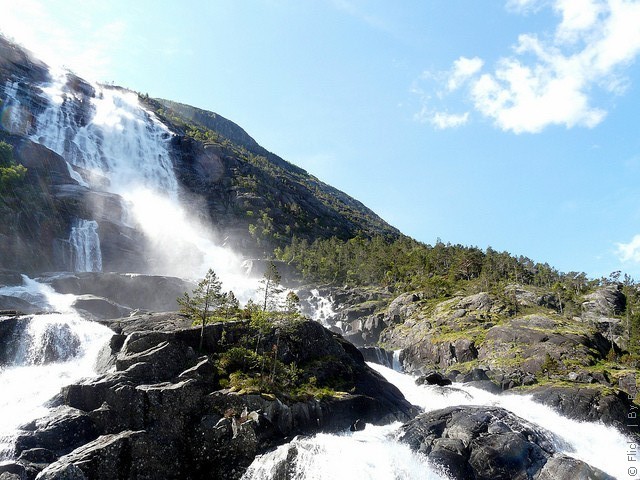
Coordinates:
205 299
231 305
292 303
270 286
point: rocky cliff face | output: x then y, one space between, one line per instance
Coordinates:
245 185
253 198
500 341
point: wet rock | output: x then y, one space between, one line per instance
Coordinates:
589 404
489 443
147 292
486 385
124 455
17 305
11 476
562 467
433 378
10 470
38 455
357 426
8 331
64 429
100 307
476 374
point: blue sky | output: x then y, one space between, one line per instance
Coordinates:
511 124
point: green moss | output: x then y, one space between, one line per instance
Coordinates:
441 335
557 382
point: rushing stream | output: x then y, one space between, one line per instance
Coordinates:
369 454
57 347
49 351
375 454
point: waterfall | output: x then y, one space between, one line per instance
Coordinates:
48 351
396 363
321 309
13 116
85 246
121 148
108 133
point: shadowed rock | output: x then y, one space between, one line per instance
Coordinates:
490 443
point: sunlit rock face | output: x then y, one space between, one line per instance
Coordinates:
165 200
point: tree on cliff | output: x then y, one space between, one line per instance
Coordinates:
204 300
10 172
270 287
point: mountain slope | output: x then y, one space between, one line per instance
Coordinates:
253 198
257 187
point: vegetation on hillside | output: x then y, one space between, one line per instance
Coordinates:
11 174
251 363
273 198
443 270
22 206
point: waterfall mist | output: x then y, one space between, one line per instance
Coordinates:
113 144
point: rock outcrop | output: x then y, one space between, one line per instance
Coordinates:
590 404
123 292
166 399
490 443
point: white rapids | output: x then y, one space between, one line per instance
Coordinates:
375 454
50 350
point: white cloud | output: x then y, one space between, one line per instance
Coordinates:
444 120
463 69
577 16
629 252
87 49
553 79
524 6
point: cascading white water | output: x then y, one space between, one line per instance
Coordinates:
321 309
371 454
116 137
85 246
594 443
122 148
396 364
49 351
13 117
375 454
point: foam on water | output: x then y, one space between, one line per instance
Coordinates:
49 351
369 454
598 445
